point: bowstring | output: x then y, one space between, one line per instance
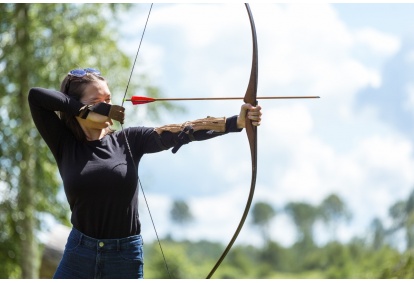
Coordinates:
129 148
136 56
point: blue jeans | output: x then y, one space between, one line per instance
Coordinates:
86 257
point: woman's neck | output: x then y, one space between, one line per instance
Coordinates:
94 130
95 134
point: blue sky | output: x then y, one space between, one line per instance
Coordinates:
387 17
356 141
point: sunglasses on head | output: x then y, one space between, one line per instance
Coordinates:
80 73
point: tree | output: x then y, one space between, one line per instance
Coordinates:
39 43
409 224
402 214
304 216
180 213
333 210
262 215
379 233
398 214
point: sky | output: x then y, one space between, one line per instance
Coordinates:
356 141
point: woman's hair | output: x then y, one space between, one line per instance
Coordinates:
74 87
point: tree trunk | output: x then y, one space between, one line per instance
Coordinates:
26 198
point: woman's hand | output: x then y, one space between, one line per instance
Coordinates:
98 118
252 113
108 110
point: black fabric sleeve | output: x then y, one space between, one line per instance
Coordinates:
231 125
43 103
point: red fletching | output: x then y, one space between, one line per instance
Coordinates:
141 100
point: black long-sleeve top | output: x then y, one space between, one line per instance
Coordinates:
99 177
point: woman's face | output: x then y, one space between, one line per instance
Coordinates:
96 92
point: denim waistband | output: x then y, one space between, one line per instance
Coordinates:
106 244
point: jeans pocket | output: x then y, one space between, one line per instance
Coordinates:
133 253
72 244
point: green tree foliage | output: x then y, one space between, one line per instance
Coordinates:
39 43
354 260
180 212
379 233
262 214
304 216
402 214
275 259
398 214
402 267
333 210
409 226
185 260
181 215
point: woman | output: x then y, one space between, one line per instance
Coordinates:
99 169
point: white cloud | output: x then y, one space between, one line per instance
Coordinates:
378 42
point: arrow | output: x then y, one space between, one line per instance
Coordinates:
143 99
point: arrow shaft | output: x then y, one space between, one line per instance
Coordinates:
224 98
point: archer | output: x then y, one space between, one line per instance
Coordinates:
99 175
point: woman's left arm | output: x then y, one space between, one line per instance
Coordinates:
176 135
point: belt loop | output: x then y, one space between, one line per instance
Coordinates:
117 245
80 238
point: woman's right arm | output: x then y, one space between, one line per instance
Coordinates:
43 103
